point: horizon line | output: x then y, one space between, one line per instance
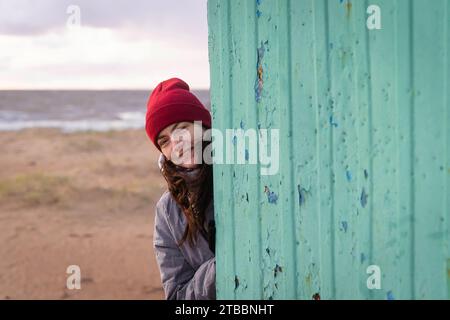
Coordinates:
88 89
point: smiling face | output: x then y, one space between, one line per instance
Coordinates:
178 143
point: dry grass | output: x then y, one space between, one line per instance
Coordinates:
36 189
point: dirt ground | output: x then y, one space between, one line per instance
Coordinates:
83 199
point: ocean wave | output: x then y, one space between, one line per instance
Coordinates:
126 120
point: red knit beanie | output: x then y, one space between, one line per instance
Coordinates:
171 102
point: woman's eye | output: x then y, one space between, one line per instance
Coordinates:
162 143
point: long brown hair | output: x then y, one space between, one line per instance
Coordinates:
192 194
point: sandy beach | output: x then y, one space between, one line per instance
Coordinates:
86 199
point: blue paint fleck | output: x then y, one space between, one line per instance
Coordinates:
271 196
258 2
241 125
331 46
246 154
363 198
344 225
258 13
234 139
332 123
390 295
366 174
301 195
363 257
349 175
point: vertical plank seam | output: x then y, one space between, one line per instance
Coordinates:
291 147
317 142
220 122
412 147
230 122
397 133
258 176
370 127
445 202
357 140
332 228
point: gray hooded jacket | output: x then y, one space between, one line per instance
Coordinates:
187 273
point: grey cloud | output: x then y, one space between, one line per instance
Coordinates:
171 18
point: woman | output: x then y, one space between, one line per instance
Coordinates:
184 233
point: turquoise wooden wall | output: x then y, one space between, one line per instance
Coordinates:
364 120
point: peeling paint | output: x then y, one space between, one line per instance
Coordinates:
272 197
348 8
363 198
276 270
308 279
236 282
366 174
332 123
348 175
362 257
301 195
258 13
390 295
270 111
344 225
259 71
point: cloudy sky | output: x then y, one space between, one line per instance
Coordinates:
119 44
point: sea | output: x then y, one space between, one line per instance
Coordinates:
77 110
